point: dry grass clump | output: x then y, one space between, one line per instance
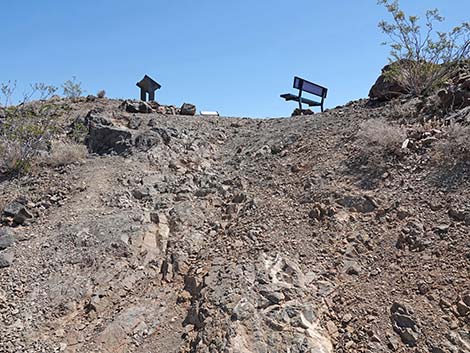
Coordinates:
380 137
455 147
64 153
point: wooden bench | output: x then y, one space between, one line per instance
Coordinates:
309 87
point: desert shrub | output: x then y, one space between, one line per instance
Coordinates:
39 90
454 148
78 133
44 91
380 140
7 89
101 94
423 57
25 131
11 158
72 88
64 153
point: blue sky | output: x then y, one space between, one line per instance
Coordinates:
235 57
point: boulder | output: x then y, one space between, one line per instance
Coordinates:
386 88
136 107
108 140
6 239
299 112
18 211
93 117
188 109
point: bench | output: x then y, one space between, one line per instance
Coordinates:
309 87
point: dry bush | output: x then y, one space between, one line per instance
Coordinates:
455 148
64 153
378 137
12 158
101 94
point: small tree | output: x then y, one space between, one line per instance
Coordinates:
72 88
423 57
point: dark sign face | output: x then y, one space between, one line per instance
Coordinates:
148 84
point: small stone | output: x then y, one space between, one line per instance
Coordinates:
462 308
144 192
6 239
239 198
352 268
457 215
6 260
403 213
347 318
272 296
437 350
466 299
442 229
243 310
332 329
358 203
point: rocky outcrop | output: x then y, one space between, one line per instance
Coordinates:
456 95
386 88
136 107
266 307
103 139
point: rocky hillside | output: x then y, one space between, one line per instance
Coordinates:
346 231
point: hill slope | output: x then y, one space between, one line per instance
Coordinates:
239 235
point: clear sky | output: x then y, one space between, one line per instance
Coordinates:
235 57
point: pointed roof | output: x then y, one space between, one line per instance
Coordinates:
148 84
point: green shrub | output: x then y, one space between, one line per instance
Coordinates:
25 130
72 88
424 57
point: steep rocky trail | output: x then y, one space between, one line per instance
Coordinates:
237 235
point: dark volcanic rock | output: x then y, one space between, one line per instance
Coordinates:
6 260
361 204
6 239
299 112
18 212
404 324
136 107
108 140
188 109
385 88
